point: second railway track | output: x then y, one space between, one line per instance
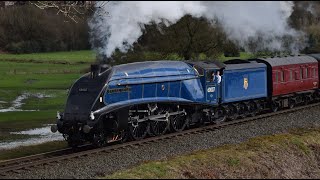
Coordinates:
29 162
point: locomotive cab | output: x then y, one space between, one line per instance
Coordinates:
208 73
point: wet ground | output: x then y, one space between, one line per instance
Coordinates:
33 136
43 134
17 103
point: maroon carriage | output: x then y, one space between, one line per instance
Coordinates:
316 56
294 80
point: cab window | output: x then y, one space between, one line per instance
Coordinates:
199 70
209 76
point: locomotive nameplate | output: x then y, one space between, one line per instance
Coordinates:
119 90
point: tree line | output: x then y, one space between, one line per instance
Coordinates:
28 29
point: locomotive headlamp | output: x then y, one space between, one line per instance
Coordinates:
58 115
92 116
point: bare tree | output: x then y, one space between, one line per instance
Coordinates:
71 9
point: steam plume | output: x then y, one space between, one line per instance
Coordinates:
242 21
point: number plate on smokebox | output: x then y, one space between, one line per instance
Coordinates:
83 89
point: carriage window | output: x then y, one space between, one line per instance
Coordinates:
314 72
301 73
306 74
277 78
282 76
291 75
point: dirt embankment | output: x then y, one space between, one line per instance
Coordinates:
295 154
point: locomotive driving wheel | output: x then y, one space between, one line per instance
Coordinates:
99 137
179 122
138 130
159 127
124 136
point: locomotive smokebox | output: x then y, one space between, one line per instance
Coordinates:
95 70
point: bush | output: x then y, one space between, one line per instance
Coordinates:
231 50
23 47
14 48
173 56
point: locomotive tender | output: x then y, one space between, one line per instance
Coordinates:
151 98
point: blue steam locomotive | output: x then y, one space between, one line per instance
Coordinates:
132 101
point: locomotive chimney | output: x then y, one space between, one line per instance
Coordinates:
95 70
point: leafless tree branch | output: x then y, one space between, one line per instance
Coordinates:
73 10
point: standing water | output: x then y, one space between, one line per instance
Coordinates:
44 134
17 103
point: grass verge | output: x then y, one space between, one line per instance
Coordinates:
291 155
31 150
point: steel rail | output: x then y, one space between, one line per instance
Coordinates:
28 162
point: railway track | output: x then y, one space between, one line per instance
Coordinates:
29 162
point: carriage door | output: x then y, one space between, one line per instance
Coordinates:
211 87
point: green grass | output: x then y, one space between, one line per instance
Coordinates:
39 76
20 120
46 78
6 137
261 157
46 81
85 56
233 161
56 101
30 150
14 68
8 96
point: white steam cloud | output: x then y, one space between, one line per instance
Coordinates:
242 21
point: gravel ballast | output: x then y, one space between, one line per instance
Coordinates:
103 164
